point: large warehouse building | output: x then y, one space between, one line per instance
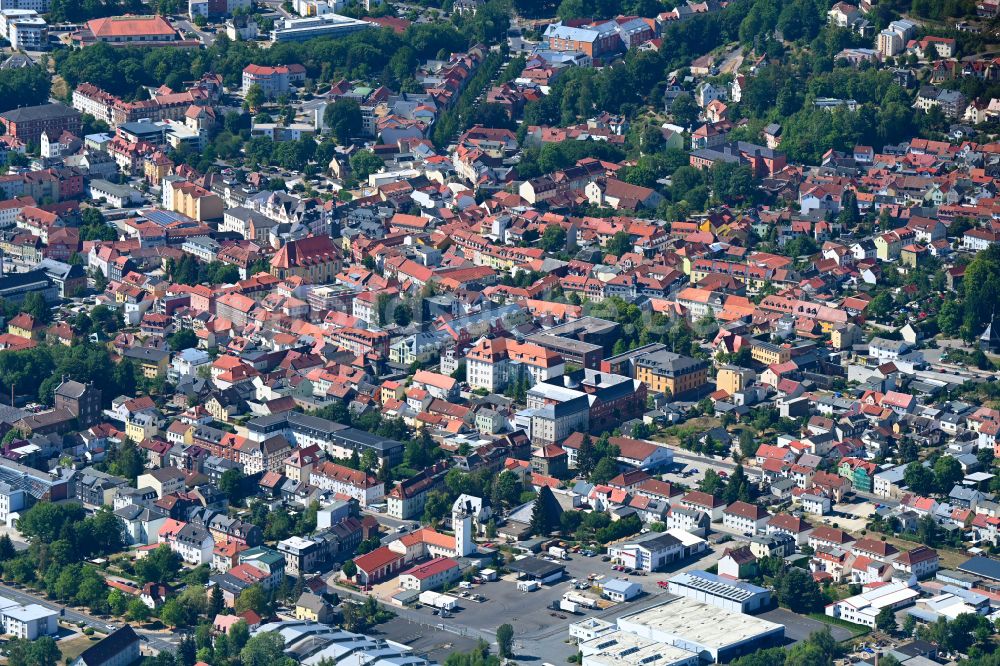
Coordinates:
731 595
622 649
714 634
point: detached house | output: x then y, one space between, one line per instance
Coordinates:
745 517
699 501
793 526
922 562
875 550
829 537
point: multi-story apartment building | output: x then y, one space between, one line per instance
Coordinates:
272 80
81 400
315 258
595 41
28 122
745 517
407 498
363 487
665 371
492 364
28 32
362 342
266 456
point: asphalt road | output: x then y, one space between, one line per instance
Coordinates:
391 525
152 639
185 26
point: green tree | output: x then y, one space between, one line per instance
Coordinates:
278 525
35 305
909 625
364 163
748 446
928 530
266 649
252 598
436 507
947 472
161 565
231 485
684 110
138 611
950 317
117 602
605 470
918 478
711 483
186 651
350 569
26 86
255 98
505 641
885 621
542 519
585 459
506 489
7 550
124 459
798 592
554 238
619 244
216 602
849 215
183 339
982 290
173 614
42 651
343 118
732 183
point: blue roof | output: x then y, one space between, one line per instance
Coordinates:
982 566
716 585
191 355
164 217
619 585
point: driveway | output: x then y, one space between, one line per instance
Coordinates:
798 627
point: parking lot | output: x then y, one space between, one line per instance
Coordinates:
799 627
685 473
540 632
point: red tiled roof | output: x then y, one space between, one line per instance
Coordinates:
131 26
746 510
428 569
376 559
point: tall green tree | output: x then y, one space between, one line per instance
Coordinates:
798 591
542 518
947 472
343 118
982 290
918 478
254 98
505 641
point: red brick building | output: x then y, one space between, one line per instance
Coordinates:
28 122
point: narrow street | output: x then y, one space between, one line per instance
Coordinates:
156 640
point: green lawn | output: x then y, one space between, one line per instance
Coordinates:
857 629
71 648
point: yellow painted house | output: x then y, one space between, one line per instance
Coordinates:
152 361
667 372
312 608
25 326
